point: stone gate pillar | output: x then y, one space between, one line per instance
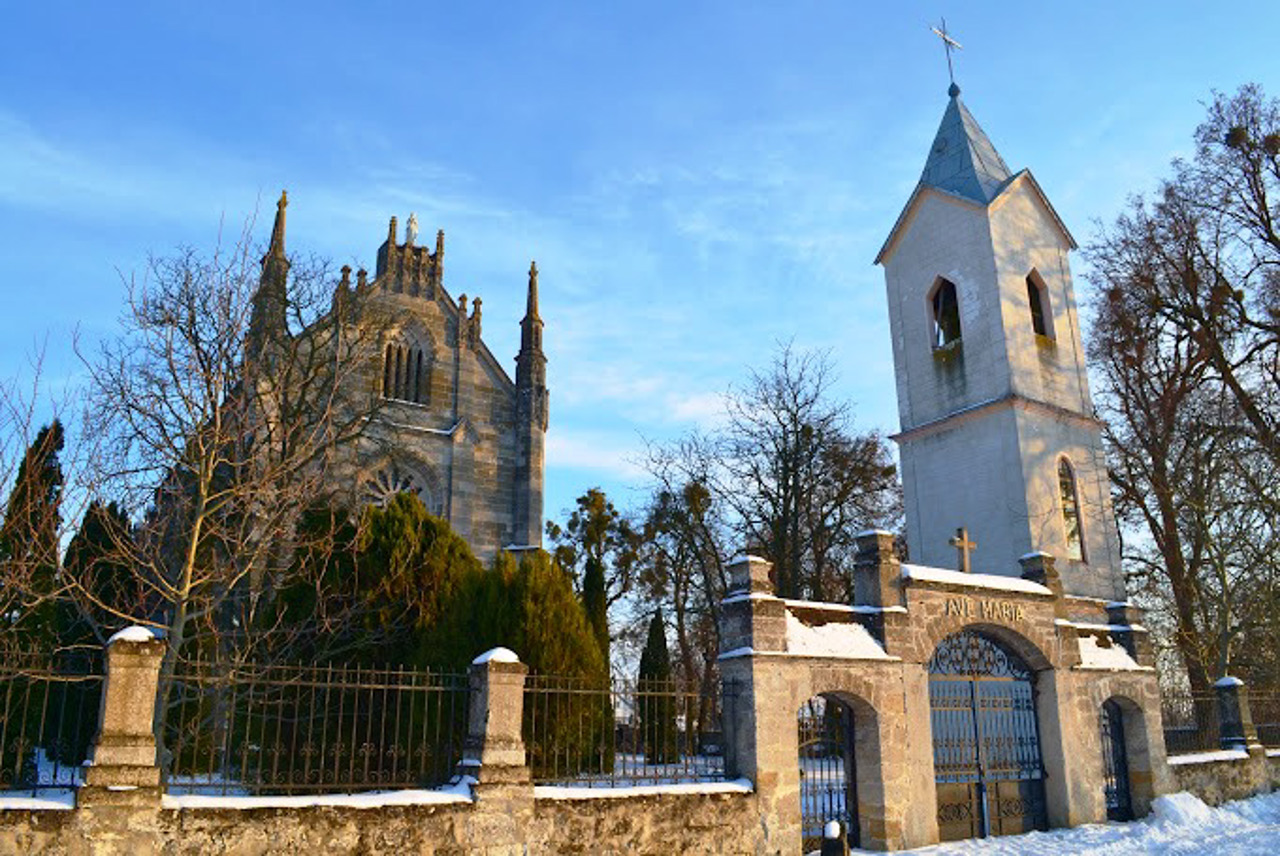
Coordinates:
762 743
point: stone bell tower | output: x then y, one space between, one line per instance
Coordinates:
998 433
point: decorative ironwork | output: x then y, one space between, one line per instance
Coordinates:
986 743
48 716
1115 762
1265 707
828 783
303 729
624 733
973 655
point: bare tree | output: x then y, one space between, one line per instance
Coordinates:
787 477
801 481
223 407
1187 343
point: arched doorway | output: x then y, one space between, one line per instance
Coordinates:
1115 762
986 741
828 778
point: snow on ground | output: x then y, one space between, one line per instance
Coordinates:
1179 825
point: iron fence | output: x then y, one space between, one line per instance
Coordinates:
308 729
48 717
646 733
1264 705
1190 722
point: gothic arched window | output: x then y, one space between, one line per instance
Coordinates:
945 313
406 374
1070 510
1038 299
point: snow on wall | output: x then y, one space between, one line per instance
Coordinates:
845 641
1114 658
135 633
925 573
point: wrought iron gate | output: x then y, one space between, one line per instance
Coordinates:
1115 763
828 789
986 744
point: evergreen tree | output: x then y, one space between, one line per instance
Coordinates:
653 697
595 604
29 541
112 595
530 607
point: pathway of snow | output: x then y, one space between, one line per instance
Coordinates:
1179 825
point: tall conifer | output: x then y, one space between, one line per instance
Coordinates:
29 537
655 701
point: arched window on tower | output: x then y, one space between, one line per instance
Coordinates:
1070 511
1038 299
406 374
946 314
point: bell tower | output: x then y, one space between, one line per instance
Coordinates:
998 434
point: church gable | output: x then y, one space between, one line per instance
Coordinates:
448 423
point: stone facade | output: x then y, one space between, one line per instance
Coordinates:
446 421
908 613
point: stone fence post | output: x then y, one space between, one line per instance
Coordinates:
494 753
1235 722
494 748
124 750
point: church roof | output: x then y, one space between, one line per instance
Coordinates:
965 166
962 160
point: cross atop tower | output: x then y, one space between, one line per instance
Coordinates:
948 43
963 545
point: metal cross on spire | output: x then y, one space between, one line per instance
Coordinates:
963 545
948 43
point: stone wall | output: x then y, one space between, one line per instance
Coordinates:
1220 779
721 823
121 810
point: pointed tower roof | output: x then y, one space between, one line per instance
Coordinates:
531 300
962 160
276 247
964 165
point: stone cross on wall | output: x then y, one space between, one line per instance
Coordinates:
963 546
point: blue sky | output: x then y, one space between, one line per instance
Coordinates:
697 181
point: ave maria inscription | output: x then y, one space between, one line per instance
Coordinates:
987 609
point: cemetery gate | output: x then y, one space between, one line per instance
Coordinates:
986 743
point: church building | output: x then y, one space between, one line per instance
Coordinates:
444 418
